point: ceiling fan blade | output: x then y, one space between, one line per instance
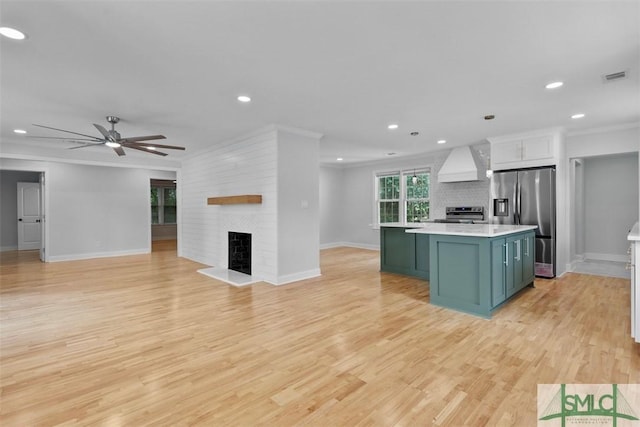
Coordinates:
119 151
82 146
142 144
96 140
68 131
103 131
143 138
135 147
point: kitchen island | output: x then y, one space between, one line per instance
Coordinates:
475 268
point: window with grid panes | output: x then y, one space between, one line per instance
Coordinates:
399 199
388 200
416 201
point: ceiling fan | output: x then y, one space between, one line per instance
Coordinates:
111 138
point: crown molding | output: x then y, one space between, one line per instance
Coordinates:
603 129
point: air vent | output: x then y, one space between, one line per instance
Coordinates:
620 75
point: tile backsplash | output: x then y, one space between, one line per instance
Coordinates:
469 193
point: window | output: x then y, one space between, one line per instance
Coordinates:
163 205
417 196
399 199
388 198
169 207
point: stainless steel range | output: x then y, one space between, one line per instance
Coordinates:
463 215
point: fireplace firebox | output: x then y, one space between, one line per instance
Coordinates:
240 252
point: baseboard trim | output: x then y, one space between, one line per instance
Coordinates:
606 257
350 245
8 248
78 257
331 245
295 277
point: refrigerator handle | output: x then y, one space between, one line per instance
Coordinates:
518 202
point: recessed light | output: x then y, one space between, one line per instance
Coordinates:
12 33
112 144
442 141
392 126
339 159
578 116
244 98
21 131
554 85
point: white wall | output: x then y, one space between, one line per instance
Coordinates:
91 210
602 142
358 191
97 211
298 206
331 206
246 165
9 205
611 205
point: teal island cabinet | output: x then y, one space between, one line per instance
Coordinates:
404 253
474 268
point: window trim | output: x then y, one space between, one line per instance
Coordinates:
402 172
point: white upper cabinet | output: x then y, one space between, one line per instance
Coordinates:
540 148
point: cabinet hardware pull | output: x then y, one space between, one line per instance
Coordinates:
517 243
506 254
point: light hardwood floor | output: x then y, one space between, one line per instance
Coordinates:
145 340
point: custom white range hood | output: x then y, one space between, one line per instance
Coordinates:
459 166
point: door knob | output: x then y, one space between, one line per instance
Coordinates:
37 220
19 219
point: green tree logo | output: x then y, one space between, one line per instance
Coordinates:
564 405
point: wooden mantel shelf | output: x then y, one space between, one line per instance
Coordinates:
235 200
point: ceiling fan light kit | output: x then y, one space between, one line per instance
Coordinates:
112 139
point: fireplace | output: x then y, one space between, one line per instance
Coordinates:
240 252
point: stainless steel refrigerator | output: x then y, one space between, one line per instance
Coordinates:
528 197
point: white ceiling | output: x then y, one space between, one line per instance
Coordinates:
343 69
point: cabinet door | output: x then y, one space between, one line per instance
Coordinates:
528 259
498 285
537 148
514 269
422 254
506 152
397 250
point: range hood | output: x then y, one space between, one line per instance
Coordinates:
459 166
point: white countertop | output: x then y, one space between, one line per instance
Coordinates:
398 225
634 234
473 230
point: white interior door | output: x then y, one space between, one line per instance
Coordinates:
43 213
29 216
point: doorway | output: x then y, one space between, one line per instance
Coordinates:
164 232
604 203
22 198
